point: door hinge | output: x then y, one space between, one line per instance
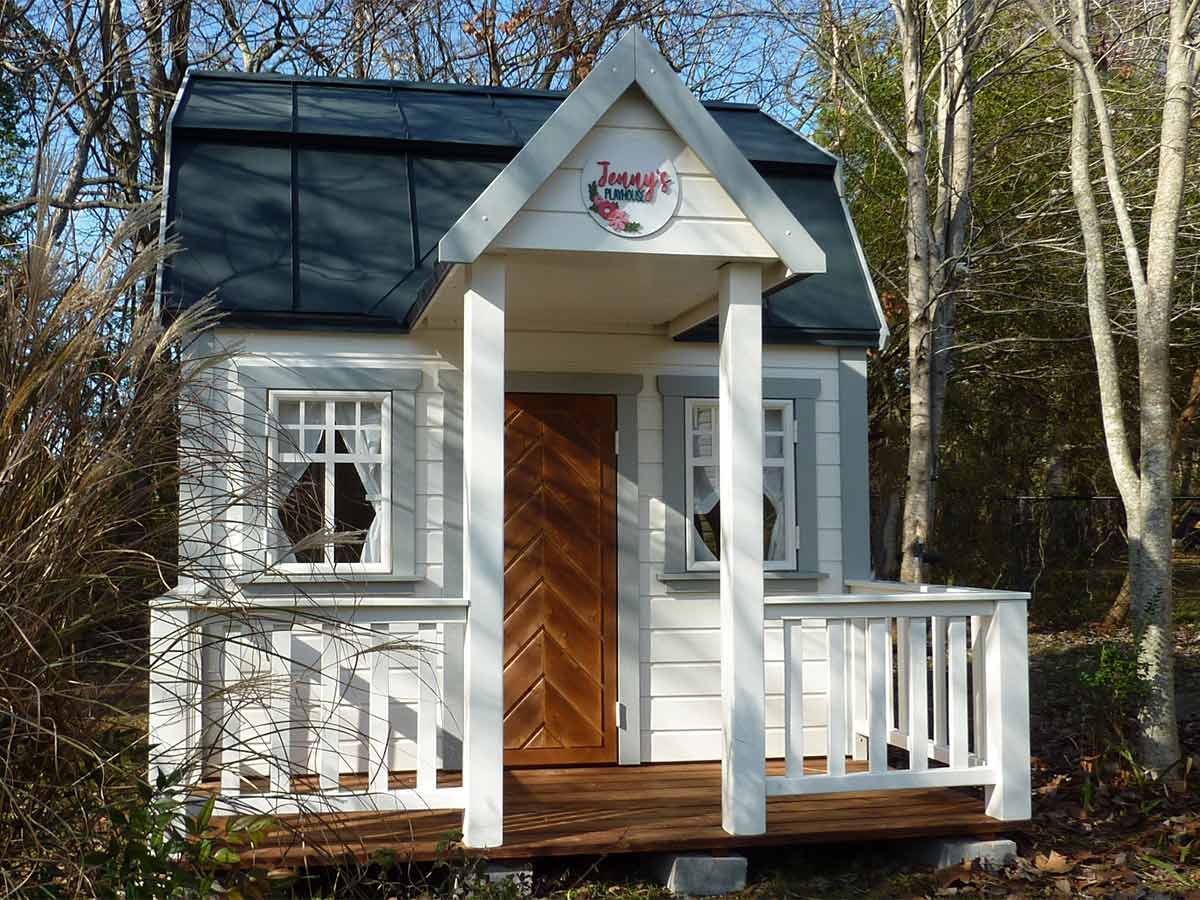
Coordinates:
622 717
617 442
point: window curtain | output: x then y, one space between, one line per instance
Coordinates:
705 495
286 477
371 474
775 494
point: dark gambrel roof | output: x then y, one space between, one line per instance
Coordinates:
320 202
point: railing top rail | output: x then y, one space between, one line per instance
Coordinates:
310 601
896 589
838 606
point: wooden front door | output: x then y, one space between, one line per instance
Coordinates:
560 579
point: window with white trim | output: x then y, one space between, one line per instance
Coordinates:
330 495
703 485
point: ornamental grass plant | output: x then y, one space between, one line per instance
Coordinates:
90 389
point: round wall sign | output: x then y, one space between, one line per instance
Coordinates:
630 195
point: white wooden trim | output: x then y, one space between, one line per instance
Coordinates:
379 724
878 690
743 797
816 606
901 589
858 684
328 736
780 785
454 707
337 802
174 690
1007 677
836 753
427 755
483 550
918 698
280 710
793 692
939 680
956 733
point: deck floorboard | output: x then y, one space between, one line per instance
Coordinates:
592 810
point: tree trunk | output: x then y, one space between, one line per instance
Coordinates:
916 499
887 563
1119 611
1151 579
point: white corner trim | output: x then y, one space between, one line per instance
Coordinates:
632 61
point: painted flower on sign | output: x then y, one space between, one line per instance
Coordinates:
606 207
616 218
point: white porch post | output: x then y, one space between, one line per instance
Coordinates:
483 551
743 774
1006 643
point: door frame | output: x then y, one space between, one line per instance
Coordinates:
626 389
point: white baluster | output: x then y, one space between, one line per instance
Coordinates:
918 697
426 708
379 727
858 686
329 731
453 706
835 754
280 718
939 681
957 736
793 692
891 675
174 691
979 683
235 713
902 669
878 663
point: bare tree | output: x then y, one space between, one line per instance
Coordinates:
935 45
1145 483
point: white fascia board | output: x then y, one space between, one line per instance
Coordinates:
632 61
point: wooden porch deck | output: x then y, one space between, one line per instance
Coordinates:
594 810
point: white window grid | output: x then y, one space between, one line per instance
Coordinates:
781 439
288 451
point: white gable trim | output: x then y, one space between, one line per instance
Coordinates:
632 61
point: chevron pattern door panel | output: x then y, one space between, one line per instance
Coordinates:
560 566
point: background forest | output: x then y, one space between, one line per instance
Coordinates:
963 126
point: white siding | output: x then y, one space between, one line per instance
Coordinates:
679 645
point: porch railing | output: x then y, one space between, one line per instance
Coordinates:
939 672
286 709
